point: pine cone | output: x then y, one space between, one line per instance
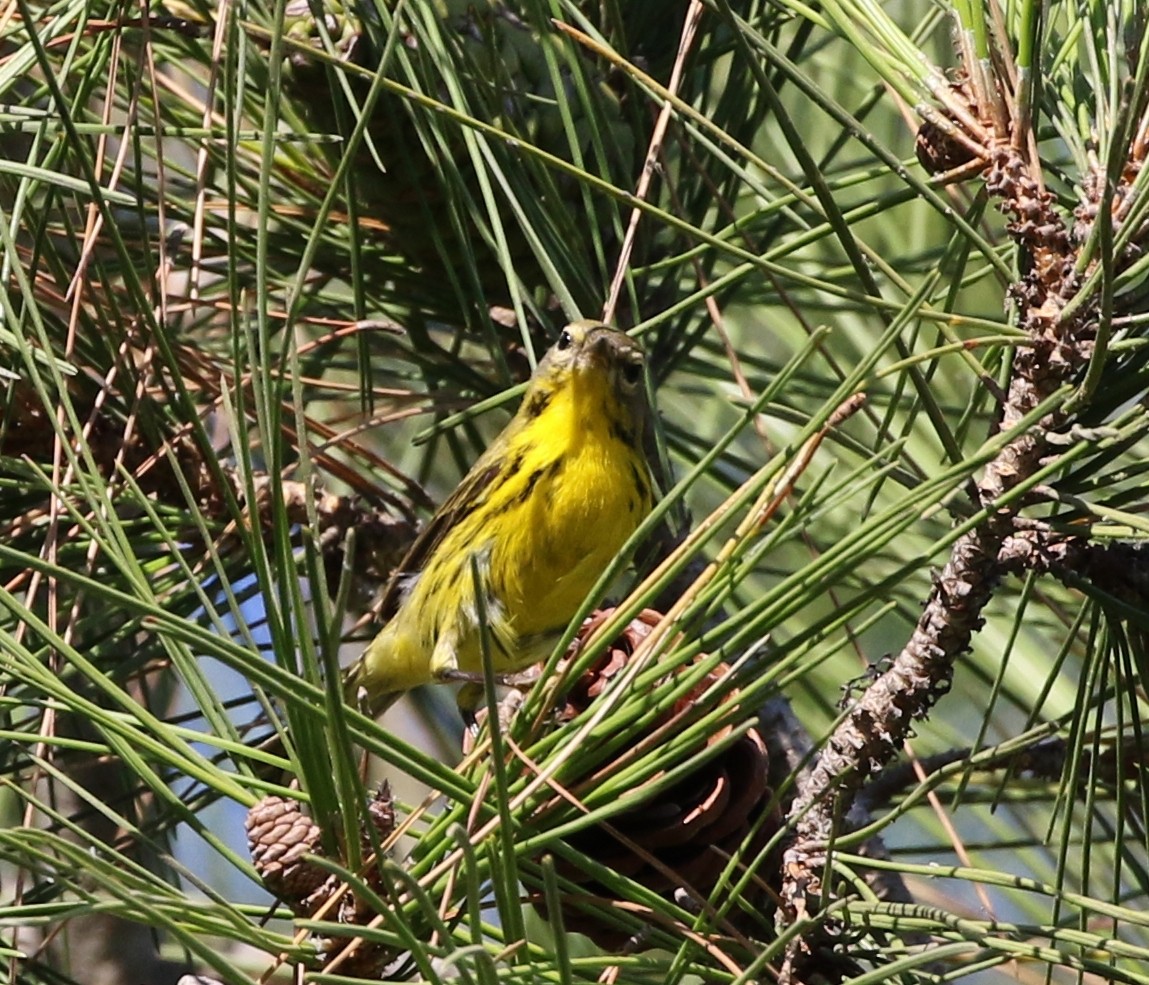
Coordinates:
279 834
939 151
681 837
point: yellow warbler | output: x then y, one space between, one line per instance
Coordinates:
539 517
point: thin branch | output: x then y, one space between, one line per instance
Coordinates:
873 731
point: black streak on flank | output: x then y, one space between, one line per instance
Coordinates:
549 471
641 483
620 432
529 488
538 403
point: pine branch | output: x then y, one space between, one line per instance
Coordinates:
1062 328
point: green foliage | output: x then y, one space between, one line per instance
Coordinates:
272 278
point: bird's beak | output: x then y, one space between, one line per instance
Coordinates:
598 352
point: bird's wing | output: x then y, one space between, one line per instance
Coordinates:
468 496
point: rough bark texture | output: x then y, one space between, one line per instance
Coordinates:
880 721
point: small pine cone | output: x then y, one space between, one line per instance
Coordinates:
683 836
382 538
366 960
279 834
939 151
381 812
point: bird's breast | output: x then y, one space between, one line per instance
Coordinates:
584 506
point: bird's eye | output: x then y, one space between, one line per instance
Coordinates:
631 373
564 341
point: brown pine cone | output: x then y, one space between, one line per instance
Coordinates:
279 834
682 838
938 151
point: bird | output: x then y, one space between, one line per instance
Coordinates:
528 531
